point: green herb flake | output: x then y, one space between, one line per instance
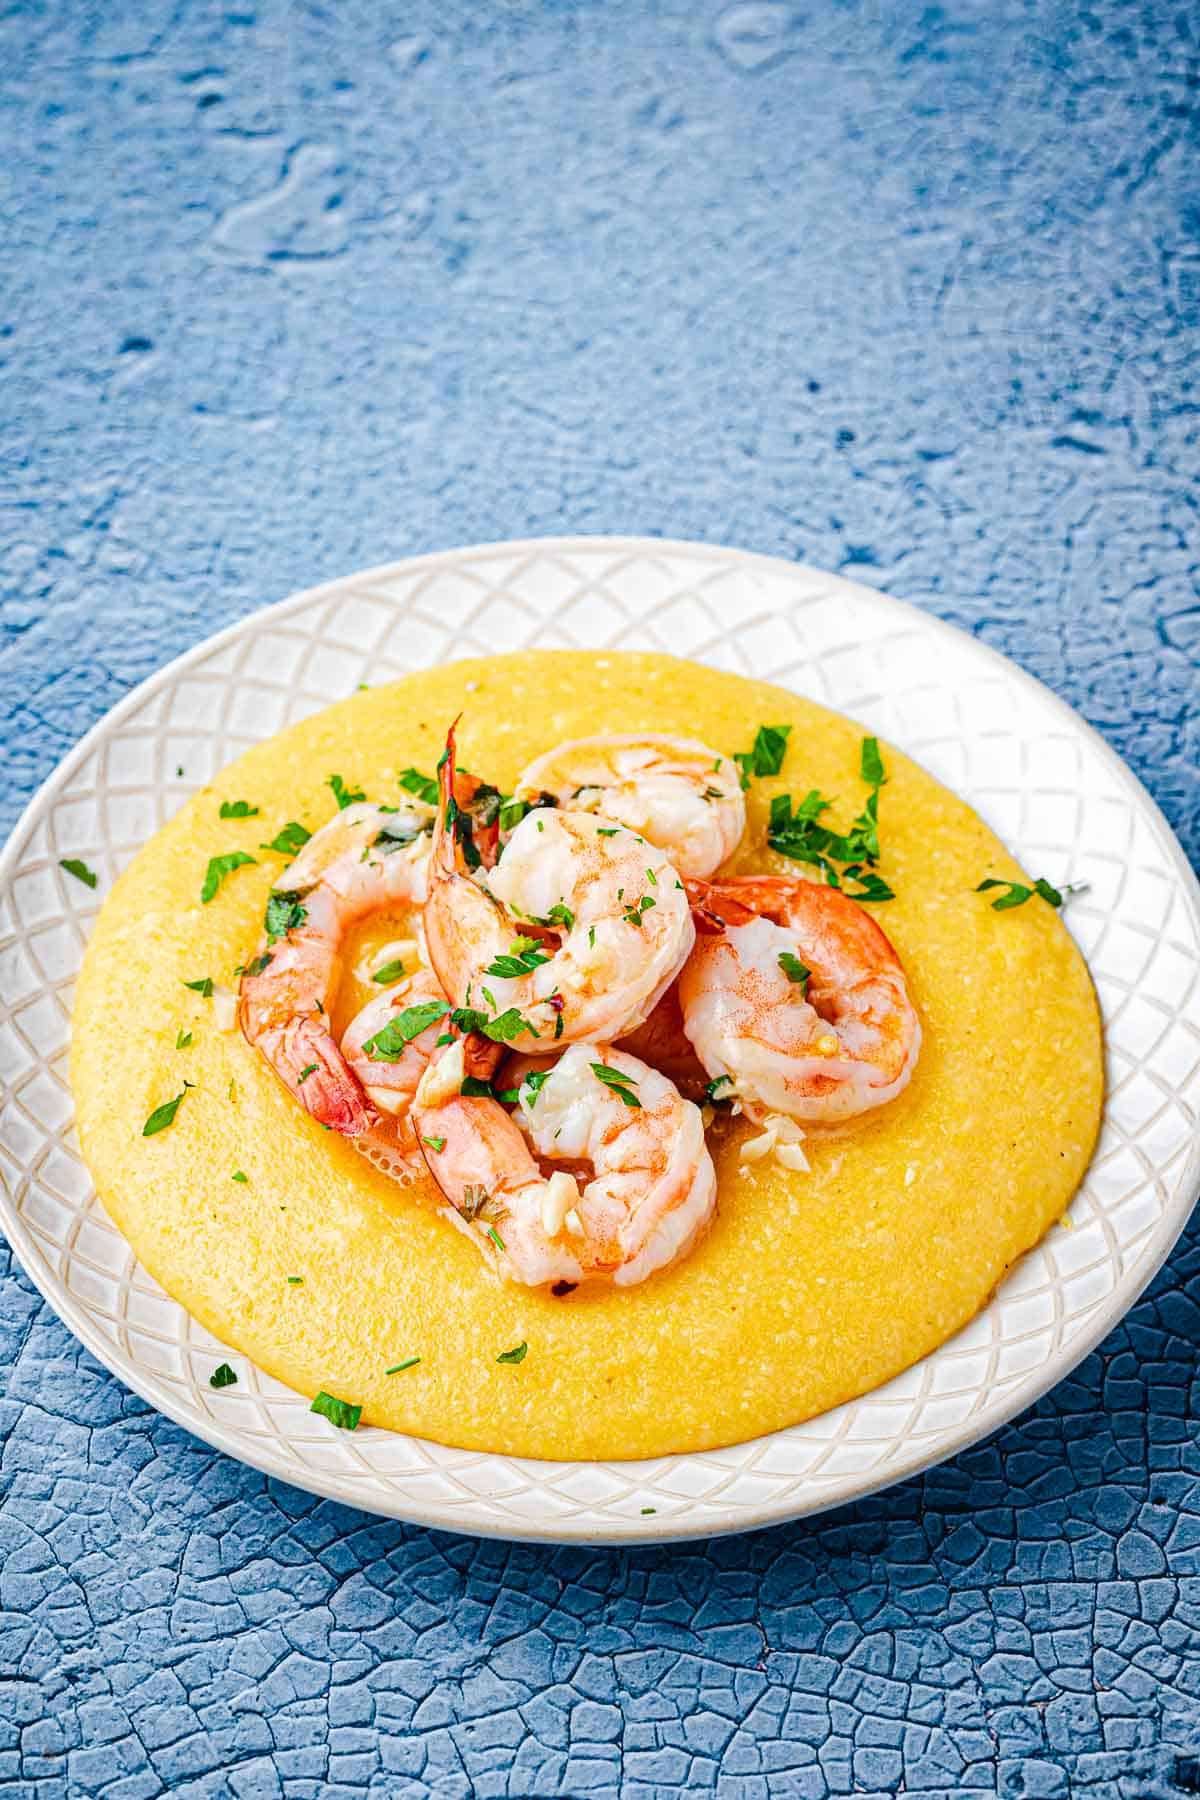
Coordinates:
345 796
607 830
495 1237
524 956
474 1089
222 1377
284 913
618 1082
1017 893
437 1144
871 763
239 1175
203 987
560 914
423 786
516 1355
767 754
388 1044
219 869
634 914
258 965
164 1115
648 1509
391 971
238 809
795 970
511 813
712 1091
410 1362
289 840
295 1281
79 870
183 1040
338 1412
535 1081
305 1073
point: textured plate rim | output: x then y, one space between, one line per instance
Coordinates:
926 1454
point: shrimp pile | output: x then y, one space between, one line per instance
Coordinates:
586 979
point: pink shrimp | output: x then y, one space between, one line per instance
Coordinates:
796 998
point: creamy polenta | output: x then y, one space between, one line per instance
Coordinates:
808 1289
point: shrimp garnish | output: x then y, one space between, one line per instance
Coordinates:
797 999
679 794
636 1189
388 1046
579 928
367 858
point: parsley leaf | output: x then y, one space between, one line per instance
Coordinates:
871 763
284 913
164 1115
239 1175
535 1081
338 1412
633 914
257 964
238 809
79 870
222 1377
289 840
410 1362
711 1093
388 1045
512 812
423 786
345 796
767 754
475 1089
183 1039
389 971
795 970
218 868
525 955
1017 893
436 1144
620 1084
516 1355
203 987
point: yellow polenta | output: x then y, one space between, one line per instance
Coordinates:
809 1289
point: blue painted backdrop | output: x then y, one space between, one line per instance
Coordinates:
908 291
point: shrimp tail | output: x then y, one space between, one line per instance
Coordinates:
446 854
714 906
315 1072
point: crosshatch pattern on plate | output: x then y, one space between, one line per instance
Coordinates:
1045 783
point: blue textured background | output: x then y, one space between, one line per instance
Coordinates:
911 292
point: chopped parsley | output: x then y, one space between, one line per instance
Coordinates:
295 1281
535 1081
203 987
648 1509
560 914
435 1143
238 809
516 1355
474 1089
712 1091
388 1045
338 1412
524 956
183 1039
795 970
289 840
795 830
219 868
410 1362
239 1175
512 812
305 1073
390 971
622 1085
79 870
495 1237
607 830
345 796
284 913
423 786
502 1029
1017 893
164 1115
222 1377
257 965
633 914
767 754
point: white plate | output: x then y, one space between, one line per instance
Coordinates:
1046 783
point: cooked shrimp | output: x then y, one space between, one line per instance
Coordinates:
365 859
609 916
388 1046
637 1189
681 795
662 1042
797 998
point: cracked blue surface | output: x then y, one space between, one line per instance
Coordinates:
908 292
